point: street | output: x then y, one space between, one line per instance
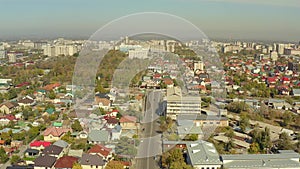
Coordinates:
151 144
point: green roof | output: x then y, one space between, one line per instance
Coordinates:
50 110
57 124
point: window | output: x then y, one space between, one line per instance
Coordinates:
202 168
91 166
96 166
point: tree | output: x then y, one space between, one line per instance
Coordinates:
284 142
3 156
180 165
76 166
68 138
191 137
76 126
126 147
244 122
254 148
237 107
287 118
14 159
174 159
51 95
114 165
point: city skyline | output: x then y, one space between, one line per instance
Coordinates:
218 19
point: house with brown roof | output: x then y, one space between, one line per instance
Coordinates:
102 151
8 107
53 150
65 162
129 125
26 102
89 161
111 122
55 133
44 162
103 102
128 122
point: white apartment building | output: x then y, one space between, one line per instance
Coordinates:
138 53
178 104
57 50
198 66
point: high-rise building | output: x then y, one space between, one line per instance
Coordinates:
198 66
12 58
274 56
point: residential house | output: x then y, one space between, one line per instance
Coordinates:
102 151
62 144
103 103
75 153
8 107
44 162
98 136
65 162
31 152
116 133
296 92
128 122
112 122
26 102
4 120
54 133
39 145
89 161
53 150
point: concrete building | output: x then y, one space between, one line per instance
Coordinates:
231 48
138 54
203 155
198 66
285 159
177 103
58 50
274 56
12 58
2 54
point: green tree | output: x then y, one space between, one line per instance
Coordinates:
14 159
76 166
237 107
51 95
174 159
126 146
285 142
244 122
76 126
114 165
3 156
254 148
287 118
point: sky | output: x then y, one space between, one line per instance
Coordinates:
275 20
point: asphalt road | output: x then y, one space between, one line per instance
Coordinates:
151 144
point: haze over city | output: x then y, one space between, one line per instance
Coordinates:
270 20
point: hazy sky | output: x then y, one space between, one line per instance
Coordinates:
226 19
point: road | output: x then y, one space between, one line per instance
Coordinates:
151 144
